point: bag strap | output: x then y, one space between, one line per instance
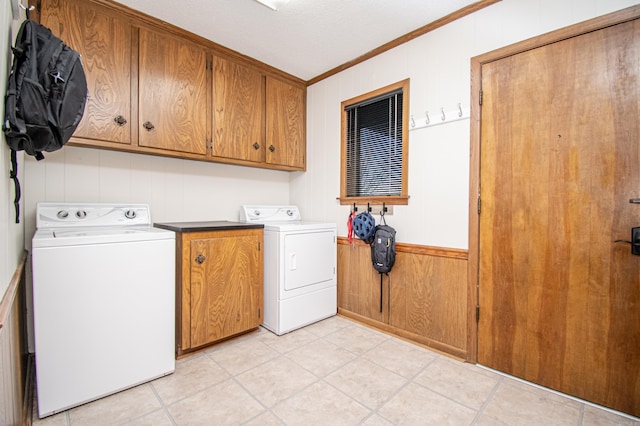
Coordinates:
13 174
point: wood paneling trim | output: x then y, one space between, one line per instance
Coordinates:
416 338
452 253
424 297
406 38
12 291
14 409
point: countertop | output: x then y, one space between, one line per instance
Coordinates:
215 225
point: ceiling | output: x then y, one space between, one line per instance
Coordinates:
305 38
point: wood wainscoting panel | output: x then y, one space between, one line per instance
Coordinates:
424 298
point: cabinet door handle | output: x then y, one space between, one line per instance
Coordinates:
148 125
256 146
272 148
200 259
120 120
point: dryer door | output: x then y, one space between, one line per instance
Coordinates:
309 259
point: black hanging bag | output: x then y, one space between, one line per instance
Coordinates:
46 95
383 250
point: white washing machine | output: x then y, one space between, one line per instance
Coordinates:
103 301
299 267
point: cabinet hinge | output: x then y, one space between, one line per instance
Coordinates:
480 100
259 248
477 313
479 204
259 312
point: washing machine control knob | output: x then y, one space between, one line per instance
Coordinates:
256 212
62 214
130 214
289 213
81 214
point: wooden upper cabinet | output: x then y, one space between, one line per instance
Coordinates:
238 117
173 107
285 118
104 42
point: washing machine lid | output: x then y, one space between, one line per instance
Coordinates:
59 237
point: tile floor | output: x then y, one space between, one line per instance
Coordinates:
335 372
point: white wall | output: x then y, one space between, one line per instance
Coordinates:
438 65
11 234
176 190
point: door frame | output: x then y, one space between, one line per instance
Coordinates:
624 15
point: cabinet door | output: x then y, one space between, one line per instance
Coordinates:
173 94
226 287
104 41
285 115
238 111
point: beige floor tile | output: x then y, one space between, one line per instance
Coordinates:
453 380
192 375
594 416
223 404
417 405
328 326
400 357
157 418
366 382
59 419
320 404
518 403
376 420
290 341
245 355
276 380
265 419
122 406
356 338
321 357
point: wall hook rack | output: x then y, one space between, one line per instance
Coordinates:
460 113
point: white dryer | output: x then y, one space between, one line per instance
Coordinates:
299 267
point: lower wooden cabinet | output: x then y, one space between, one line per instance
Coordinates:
220 286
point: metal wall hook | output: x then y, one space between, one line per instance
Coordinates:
413 122
428 120
443 117
459 109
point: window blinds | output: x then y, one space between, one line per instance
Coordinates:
374 146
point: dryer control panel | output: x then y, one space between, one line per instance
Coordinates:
265 214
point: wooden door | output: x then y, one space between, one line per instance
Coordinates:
238 111
104 42
286 143
173 107
226 286
560 159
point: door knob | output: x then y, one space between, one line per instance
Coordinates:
148 125
200 259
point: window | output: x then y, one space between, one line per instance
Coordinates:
374 147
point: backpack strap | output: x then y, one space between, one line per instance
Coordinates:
13 174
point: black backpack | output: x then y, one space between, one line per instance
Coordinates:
383 251
46 95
